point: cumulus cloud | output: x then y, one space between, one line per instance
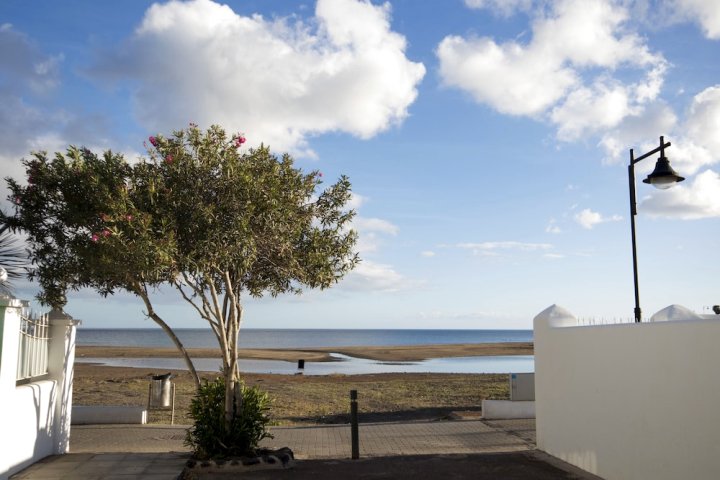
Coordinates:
371 232
703 124
25 67
695 147
704 12
279 81
565 72
700 199
588 219
27 76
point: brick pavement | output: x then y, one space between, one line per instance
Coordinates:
392 439
156 452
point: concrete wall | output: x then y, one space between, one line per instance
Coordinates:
629 401
35 417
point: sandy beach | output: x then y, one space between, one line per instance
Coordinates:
301 399
405 353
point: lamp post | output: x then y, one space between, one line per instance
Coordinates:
662 177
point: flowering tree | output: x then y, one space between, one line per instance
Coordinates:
200 215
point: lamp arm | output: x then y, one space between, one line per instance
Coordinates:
663 146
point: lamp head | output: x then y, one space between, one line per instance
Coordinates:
663 176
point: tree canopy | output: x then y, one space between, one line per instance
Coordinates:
202 214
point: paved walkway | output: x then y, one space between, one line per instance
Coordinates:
122 452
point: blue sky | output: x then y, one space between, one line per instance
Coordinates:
487 140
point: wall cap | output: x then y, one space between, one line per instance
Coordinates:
8 302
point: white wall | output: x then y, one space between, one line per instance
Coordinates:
34 418
629 401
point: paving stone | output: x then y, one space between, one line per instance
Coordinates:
156 452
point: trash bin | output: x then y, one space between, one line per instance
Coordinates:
160 391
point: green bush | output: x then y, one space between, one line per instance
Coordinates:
209 437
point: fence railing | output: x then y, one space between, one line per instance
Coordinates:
591 321
33 348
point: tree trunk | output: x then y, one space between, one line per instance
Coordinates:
233 390
166 328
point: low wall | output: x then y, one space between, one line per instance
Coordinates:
504 409
31 423
34 417
104 414
629 401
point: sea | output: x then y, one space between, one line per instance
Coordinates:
309 338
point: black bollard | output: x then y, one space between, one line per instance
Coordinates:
354 433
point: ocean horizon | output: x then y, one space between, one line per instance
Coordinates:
312 338
297 338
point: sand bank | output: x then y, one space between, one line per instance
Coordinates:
404 353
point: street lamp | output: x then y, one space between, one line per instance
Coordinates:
662 177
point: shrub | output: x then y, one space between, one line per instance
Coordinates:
210 438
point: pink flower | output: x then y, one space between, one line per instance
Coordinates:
17 200
129 218
168 159
239 140
153 140
320 174
95 237
106 233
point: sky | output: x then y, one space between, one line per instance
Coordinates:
487 141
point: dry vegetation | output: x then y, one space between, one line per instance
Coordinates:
308 399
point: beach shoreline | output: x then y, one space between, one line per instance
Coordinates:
304 399
399 353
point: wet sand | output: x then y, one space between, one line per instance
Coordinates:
403 353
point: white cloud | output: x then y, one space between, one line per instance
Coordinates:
565 72
704 12
703 124
640 130
493 249
363 224
552 227
371 231
277 80
553 256
427 253
700 199
356 201
372 276
588 219
587 110
502 7
530 83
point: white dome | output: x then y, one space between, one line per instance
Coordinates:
674 312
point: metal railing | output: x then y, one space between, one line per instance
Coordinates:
33 348
592 321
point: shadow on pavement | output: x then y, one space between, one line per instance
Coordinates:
506 466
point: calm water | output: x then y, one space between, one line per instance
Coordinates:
298 338
286 338
345 366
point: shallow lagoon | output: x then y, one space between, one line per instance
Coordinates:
344 365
